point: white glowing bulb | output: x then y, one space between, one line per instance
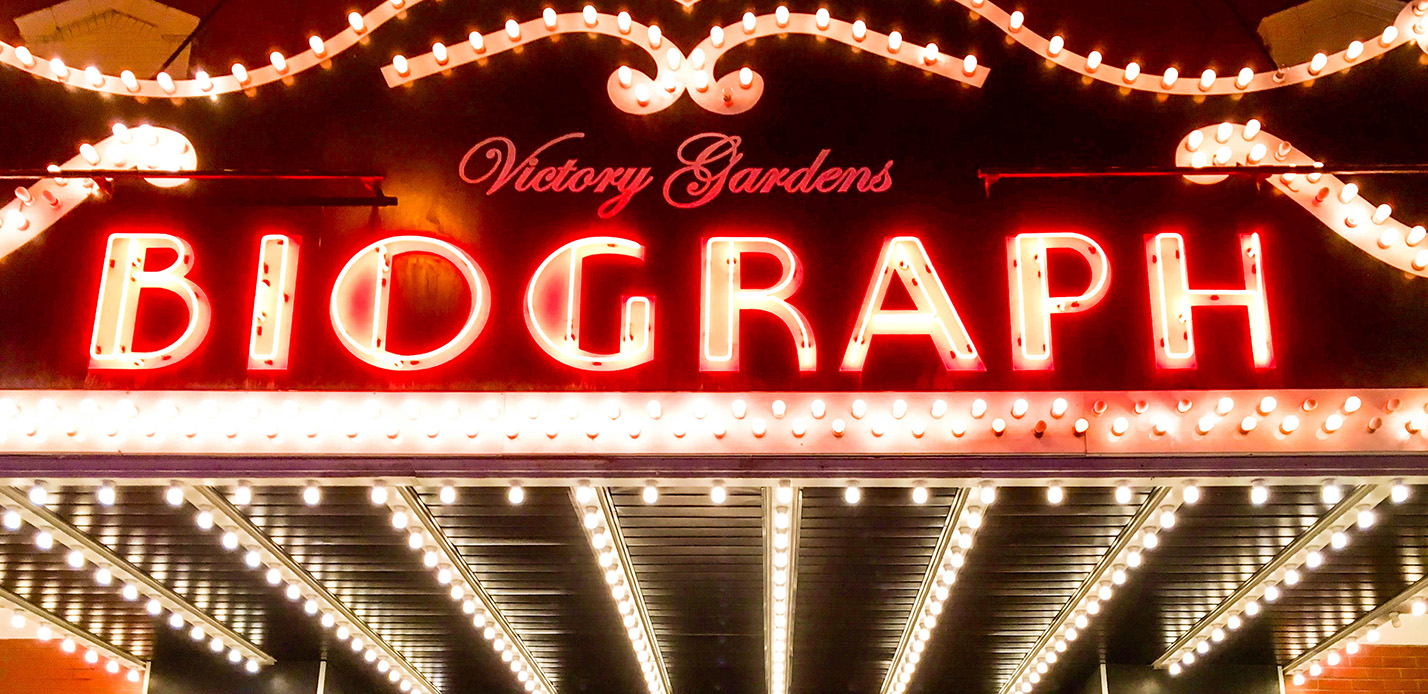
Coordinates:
1317 63
1123 494
174 495
1132 72
1055 494
718 494
1207 80
746 77
1016 20
312 494
447 495
516 495
852 494
919 494
1053 47
894 41
1093 61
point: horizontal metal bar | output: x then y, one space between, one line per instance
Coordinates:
197 174
992 175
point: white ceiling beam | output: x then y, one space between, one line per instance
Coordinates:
73 637
1284 568
596 511
1351 637
1125 554
131 582
261 551
783 511
466 590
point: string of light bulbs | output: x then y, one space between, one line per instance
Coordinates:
1336 203
70 638
782 520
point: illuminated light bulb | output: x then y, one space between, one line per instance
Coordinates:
1355 49
516 495
894 41
1132 72
399 63
1242 80
919 494
1222 156
1381 213
1054 46
242 495
1207 80
930 55
478 42
1167 519
642 94
318 46
748 21
1082 424
623 22
1387 238
1055 494
240 73
1389 35
548 16
1248 424
852 494
95 77
1168 79
513 30
1317 63
1093 61
173 496
1366 519
59 69
716 37
447 495
1314 559
655 36
625 76
1258 153
1331 492
1352 404
312 494
673 58
1123 493
1289 424
26 58
986 493
746 78
781 15
280 63
718 494
1348 193
821 19
439 52
1271 593
1120 426
1016 20
1259 494
1399 492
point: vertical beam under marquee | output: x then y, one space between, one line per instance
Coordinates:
596 511
1338 518
955 523
1159 501
64 629
408 498
123 572
230 518
783 512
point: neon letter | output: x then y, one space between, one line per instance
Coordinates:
725 297
553 308
120 288
935 316
273 303
363 291
1031 301
1172 301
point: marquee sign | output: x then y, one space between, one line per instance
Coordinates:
808 268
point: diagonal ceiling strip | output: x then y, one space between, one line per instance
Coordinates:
936 585
602 528
1227 615
335 613
1364 627
121 571
77 635
503 638
1085 602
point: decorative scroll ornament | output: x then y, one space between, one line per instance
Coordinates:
1411 25
635 91
1337 204
36 208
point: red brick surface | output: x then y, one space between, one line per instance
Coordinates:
1373 670
31 667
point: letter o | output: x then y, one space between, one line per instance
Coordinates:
362 294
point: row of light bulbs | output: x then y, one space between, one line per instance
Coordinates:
256 558
599 530
929 608
782 524
69 639
1353 643
484 617
1335 202
1129 558
179 615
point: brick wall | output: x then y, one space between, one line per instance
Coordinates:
31 667
1373 670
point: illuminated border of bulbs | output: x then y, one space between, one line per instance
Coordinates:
963 521
1335 203
781 575
111 570
34 209
1140 535
692 423
411 516
597 516
1286 569
240 78
1410 25
1366 629
71 637
260 552
634 91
